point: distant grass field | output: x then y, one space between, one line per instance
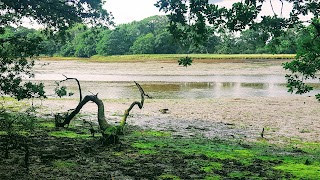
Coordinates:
173 57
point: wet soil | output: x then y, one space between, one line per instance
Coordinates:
283 116
71 158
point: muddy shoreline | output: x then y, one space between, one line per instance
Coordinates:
204 138
281 117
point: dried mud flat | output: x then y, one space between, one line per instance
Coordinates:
281 117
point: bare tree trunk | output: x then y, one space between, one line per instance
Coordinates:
101 116
109 132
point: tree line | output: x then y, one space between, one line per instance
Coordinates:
151 36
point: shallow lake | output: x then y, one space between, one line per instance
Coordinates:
176 87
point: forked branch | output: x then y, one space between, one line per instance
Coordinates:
79 86
140 104
109 132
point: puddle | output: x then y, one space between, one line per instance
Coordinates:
163 81
178 90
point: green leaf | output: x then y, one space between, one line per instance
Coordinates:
185 61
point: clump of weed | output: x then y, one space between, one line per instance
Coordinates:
301 171
60 164
212 166
153 133
169 176
68 134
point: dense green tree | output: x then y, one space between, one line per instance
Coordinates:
16 48
209 46
212 43
102 44
82 41
227 44
121 39
86 46
164 44
73 38
153 24
49 46
143 45
118 42
250 41
286 43
307 63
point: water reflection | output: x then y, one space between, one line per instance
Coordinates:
179 90
216 89
175 86
255 85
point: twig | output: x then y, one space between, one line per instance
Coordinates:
262 133
281 7
272 8
141 90
93 93
92 130
79 86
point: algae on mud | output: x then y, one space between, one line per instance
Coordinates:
151 154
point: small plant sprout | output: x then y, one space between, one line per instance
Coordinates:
185 61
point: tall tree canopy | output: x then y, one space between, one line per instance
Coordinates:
59 14
190 19
16 47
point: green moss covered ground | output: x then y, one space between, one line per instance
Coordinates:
73 153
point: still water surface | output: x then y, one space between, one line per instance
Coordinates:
178 87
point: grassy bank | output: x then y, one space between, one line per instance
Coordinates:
173 57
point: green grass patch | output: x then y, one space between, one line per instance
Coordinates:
153 154
147 151
3 133
60 164
239 174
69 134
218 150
301 171
212 166
49 125
310 147
169 176
218 159
170 57
60 58
153 133
212 177
147 145
15 106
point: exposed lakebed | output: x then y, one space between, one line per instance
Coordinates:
213 110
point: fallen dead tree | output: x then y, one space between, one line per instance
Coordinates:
109 132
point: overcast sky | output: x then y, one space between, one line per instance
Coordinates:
125 11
